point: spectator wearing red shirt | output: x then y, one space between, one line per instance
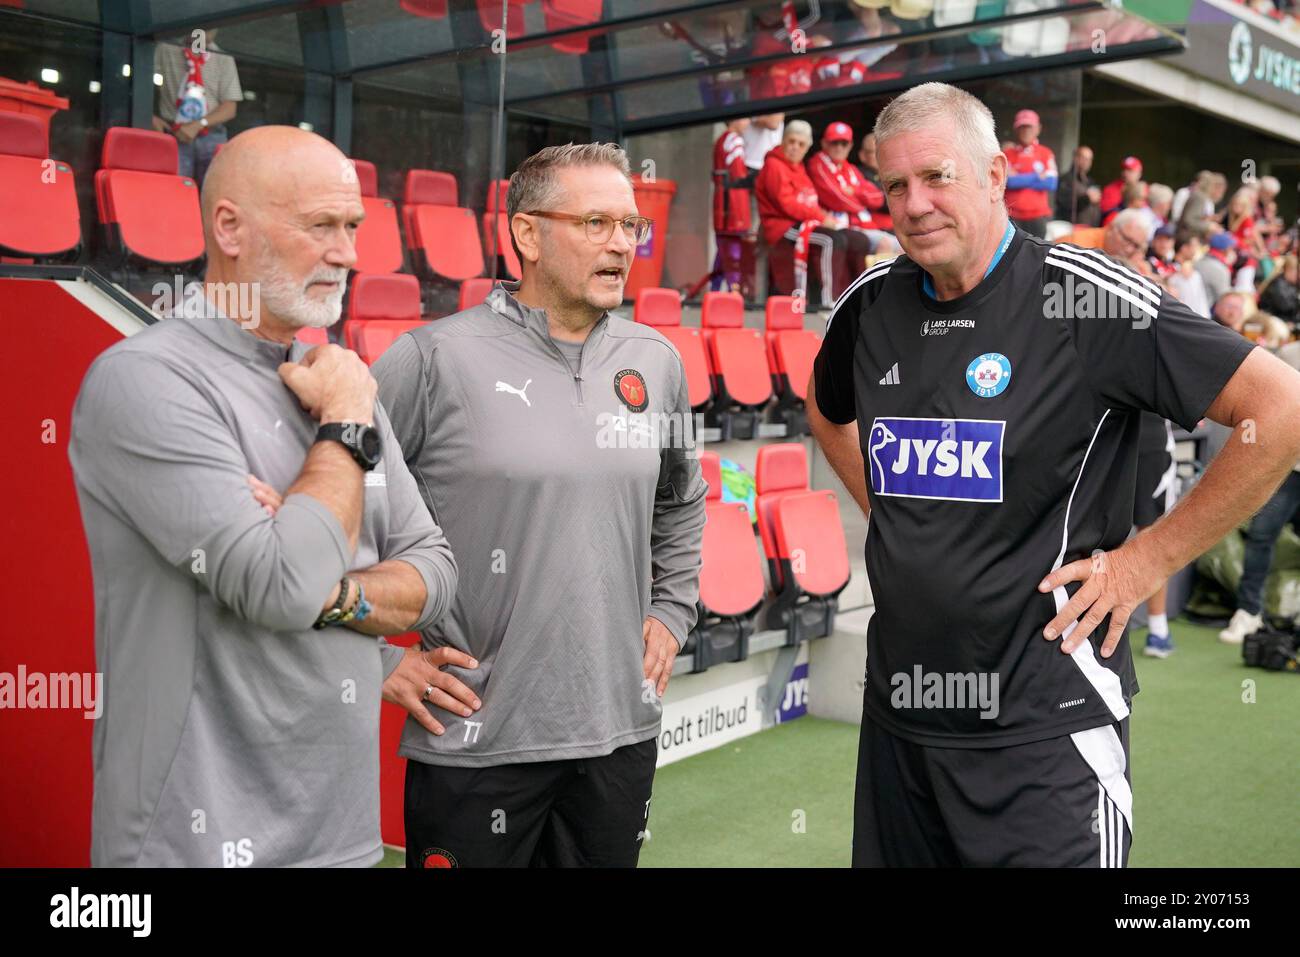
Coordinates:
1112 195
788 206
731 213
846 192
1031 176
868 168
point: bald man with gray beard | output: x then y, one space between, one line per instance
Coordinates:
253 533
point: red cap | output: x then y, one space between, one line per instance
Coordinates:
1132 162
839 133
1026 118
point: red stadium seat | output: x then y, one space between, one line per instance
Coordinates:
504 247
791 348
473 292
39 218
742 381
312 337
381 307
443 237
779 470
808 527
662 308
566 14
731 577
152 212
804 542
489 14
433 9
379 242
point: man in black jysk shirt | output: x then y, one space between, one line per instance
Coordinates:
980 397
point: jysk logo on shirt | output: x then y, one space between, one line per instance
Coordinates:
958 460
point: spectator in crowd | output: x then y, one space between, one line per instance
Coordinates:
1126 239
846 192
198 97
1201 181
761 136
1134 196
1197 215
870 24
1185 282
1239 220
790 214
731 204
1160 253
1031 176
1267 191
1280 294
1233 309
867 166
1112 196
1215 266
1077 196
1160 200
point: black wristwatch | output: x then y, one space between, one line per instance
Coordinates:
361 440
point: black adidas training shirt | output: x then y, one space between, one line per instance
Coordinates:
999 432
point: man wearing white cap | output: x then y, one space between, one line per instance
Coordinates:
1031 177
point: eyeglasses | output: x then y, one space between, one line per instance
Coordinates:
600 227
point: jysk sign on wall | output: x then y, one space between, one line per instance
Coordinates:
1242 56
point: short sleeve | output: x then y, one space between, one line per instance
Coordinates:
833 367
1145 350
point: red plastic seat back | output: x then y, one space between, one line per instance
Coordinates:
433 9
658 307
809 534
711 469
367 177
312 337
448 239
428 187
156 211
504 247
690 346
38 196
779 470
795 350
384 296
731 573
369 338
379 241
722 310
740 361
781 314
473 292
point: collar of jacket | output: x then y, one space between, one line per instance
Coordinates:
502 300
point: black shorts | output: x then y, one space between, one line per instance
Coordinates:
1061 802
587 812
1157 487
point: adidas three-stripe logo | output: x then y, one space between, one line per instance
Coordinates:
891 377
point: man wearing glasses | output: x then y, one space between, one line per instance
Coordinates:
553 442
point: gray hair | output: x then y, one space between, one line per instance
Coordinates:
1270 184
802 127
1159 193
534 186
921 106
1126 216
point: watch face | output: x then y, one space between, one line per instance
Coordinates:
370 444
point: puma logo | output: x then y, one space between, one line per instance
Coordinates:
507 387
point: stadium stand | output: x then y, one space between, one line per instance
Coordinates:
803 539
731 578
149 213
379 241
662 308
39 220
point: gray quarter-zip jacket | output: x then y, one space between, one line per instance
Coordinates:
571 494
232 734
